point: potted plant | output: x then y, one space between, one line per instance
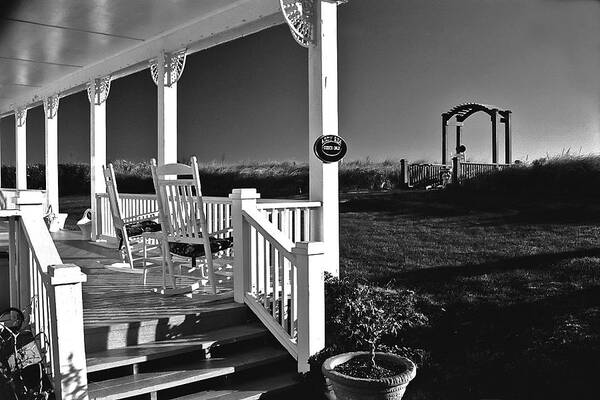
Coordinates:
363 316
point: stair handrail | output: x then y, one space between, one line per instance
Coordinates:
291 305
39 278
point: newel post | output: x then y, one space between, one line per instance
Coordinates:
310 259
241 199
68 347
404 174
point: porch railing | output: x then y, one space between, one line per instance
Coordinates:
292 217
50 292
217 210
281 280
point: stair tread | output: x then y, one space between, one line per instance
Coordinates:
139 353
248 390
125 320
148 382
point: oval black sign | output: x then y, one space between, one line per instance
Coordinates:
330 148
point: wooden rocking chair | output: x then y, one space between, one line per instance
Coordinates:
133 246
185 233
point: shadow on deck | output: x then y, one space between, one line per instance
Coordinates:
111 297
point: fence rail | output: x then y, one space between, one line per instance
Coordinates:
423 175
467 170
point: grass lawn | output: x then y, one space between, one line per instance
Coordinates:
512 288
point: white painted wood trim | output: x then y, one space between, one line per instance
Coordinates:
275 237
271 324
234 20
323 120
51 159
97 158
21 155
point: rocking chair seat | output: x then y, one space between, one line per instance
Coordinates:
197 250
137 228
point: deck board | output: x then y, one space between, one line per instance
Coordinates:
111 297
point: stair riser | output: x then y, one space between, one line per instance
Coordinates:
120 335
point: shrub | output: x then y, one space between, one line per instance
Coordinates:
364 317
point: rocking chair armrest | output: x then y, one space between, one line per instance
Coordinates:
139 217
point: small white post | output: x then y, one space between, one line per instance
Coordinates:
21 148
98 91
310 257
51 151
70 381
323 120
241 199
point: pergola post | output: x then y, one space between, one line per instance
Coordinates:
458 134
51 151
494 118
444 139
507 137
21 148
323 120
97 94
0 152
170 69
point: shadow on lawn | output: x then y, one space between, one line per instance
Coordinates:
544 349
498 210
545 261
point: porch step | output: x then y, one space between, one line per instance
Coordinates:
249 390
152 382
102 335
140 353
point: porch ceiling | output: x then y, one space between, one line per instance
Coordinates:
52 47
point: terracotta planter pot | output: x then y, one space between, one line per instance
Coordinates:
350 388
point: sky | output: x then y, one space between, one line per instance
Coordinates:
401 64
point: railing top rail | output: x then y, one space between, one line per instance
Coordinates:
484 164
151 196
427 165
268 230
283 203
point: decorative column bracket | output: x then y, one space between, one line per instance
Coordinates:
98 90
21 116
174 65
51 106
300 17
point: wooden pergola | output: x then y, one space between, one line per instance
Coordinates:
464 111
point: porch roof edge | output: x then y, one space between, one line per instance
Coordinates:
242 18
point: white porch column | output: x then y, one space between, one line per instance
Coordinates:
323 120
51 151
171 70
21 148
97 94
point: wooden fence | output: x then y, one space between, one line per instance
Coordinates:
432 175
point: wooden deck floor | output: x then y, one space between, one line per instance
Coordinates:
113 297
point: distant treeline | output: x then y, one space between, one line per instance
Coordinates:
271 179
550 176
